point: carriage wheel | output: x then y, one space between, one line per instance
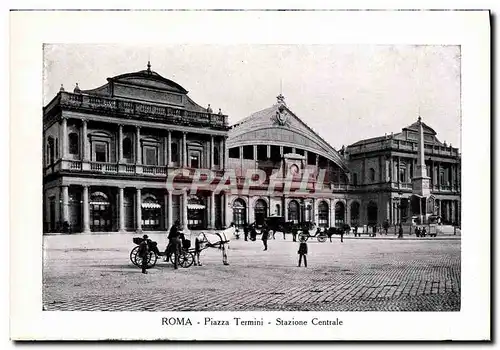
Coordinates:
321 239
133 256
152 258
186 259
304 237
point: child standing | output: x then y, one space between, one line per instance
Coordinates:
303 251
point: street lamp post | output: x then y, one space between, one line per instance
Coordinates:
398 206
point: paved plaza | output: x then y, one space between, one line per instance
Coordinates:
93 272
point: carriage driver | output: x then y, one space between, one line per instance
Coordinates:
174 242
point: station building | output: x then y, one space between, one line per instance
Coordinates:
108 152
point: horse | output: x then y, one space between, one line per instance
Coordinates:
217 240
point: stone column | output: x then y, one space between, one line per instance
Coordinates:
65 204
285 209
281 151
331 206
225 153
121 210
168 205
120 143
184 216
138 153
86 211
169 149
221 154
391 172
64 138
399 170
453 210
165 151
211 221
227 217
84 140
184 151
268 151
211 153
255 152
314 212
138 210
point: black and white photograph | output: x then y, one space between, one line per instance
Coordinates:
253 186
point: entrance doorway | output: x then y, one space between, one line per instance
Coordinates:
100 212
260 212
372 213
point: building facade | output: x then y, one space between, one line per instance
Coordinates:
276 141
107 152
383 168
365 183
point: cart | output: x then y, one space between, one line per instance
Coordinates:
186 257
320 235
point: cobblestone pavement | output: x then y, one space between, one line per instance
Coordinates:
93 272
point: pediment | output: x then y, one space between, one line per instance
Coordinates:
149 80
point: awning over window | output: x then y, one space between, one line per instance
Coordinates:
196 206
99 203
151 205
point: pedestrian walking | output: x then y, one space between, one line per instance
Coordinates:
265 236
294 233
245 231
302 251
144 253
400 232
424 232
342 231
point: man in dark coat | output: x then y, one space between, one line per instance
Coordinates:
245 231
174 242
265 236
144 253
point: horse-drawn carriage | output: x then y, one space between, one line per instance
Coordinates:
185 259
186 256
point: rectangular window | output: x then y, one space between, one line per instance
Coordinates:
101 152
234 153
194 160
151 155
402 175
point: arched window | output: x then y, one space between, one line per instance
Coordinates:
260 212
57 149
355 213
354 179
278 210
293 211
73 143
239 213
339 214
127 148
174 152
323 214
372 174
50 150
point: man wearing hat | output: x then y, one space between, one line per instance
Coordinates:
174 242
144 252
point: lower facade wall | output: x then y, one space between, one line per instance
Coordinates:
64 209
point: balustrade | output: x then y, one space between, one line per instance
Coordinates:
162 113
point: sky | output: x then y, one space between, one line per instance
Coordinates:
345 93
